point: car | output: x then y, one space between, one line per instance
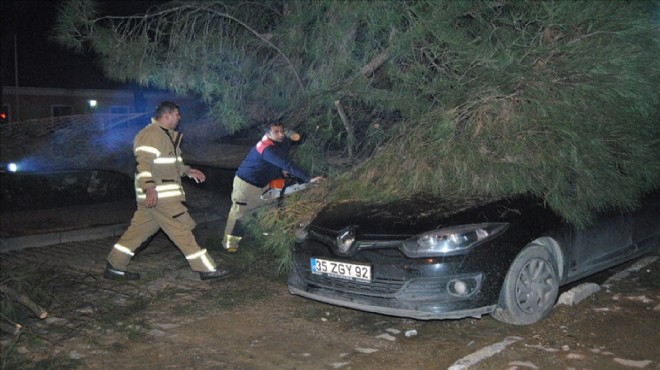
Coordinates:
435 259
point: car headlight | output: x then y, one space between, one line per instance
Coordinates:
451 240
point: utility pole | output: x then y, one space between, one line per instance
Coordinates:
18 110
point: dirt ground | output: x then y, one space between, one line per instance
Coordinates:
171 320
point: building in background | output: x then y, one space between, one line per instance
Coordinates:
41 79
28 103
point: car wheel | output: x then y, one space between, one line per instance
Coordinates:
530 287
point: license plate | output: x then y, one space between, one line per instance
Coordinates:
340 270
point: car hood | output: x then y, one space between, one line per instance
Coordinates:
409 217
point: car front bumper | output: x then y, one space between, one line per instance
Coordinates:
422 299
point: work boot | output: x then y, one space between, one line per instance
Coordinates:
115 274
219 272
230 243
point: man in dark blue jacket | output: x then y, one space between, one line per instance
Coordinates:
266 161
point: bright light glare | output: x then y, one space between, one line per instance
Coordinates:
460 287
92 103
12 167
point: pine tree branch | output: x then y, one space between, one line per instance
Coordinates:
348 125
24 300
10 328
375 63
141 23
589 35
262 38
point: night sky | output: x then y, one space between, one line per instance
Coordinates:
42 62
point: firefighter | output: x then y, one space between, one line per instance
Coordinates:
160 199
266 161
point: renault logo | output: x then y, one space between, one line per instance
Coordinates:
345 239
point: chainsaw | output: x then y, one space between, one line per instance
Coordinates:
282 186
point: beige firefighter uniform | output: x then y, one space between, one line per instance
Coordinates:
245 198
160 166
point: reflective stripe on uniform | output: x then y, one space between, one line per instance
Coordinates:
167 187
148 149
204 257
165 195
124 250
164 191
161 188
169 194
144 174
165 160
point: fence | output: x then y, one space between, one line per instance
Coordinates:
46 126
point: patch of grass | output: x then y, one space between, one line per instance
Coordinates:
243 292
239 290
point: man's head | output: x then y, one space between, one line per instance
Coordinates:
275 131
168 114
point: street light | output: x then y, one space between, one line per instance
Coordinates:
92 104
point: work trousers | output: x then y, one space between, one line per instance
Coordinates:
245 198
174 219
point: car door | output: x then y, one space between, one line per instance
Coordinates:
607 242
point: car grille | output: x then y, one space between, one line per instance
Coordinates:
377 287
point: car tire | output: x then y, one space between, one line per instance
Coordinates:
530 287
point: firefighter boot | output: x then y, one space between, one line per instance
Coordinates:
219 272
230 243
115 274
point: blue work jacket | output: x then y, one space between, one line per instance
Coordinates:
266 161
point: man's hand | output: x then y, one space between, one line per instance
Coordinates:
196 175
317 179
152 198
